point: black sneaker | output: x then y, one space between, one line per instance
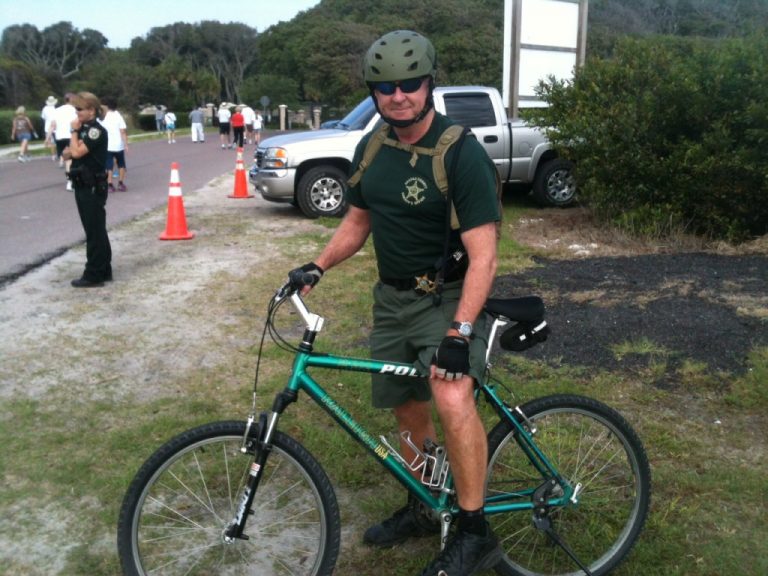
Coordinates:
466 554
406 523
84 282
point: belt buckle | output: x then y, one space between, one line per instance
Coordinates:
424 284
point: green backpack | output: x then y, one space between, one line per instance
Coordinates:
448 138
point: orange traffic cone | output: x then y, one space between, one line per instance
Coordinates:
176 225
241 183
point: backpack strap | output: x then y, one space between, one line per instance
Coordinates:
451 135
371 149
450 215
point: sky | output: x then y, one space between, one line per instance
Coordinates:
121 21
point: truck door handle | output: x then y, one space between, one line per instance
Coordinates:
490 139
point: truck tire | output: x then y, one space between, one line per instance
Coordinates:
554 184
321 192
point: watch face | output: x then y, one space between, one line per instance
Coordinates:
464 328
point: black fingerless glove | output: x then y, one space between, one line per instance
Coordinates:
452 358
307 275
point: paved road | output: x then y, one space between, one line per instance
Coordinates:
38 217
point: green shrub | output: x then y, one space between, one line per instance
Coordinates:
669 134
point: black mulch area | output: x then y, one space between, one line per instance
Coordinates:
685 303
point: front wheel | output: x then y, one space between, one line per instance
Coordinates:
180 503
588 443
321 192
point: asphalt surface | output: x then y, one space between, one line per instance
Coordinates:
38 217
704 308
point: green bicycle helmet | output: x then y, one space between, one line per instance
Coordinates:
399 55
396 56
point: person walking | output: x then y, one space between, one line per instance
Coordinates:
159 115
258 124
170 126
224 116
62 121
22 131
443 332
196 119
249 116
117 144
88 152
47 114
238 127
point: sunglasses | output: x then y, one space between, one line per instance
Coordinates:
406 86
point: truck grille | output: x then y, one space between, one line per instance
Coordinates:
259 157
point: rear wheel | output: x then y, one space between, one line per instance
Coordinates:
555 184
321 192
588 443
180 503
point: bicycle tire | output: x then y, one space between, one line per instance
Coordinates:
590 443
176 509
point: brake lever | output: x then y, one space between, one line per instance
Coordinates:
284 291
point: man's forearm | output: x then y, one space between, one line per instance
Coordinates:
347 240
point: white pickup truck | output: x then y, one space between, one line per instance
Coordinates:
310 169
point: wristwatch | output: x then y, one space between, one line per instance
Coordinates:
463 328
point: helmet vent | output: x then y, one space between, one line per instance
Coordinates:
408 53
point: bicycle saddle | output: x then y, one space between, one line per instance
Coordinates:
526 309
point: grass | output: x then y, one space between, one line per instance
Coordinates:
63 453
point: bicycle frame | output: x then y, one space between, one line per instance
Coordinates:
301 380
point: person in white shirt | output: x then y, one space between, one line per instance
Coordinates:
63 117
47 115
224 127
117 144
257 125
250 117
170 126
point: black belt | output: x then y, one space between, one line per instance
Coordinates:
424 284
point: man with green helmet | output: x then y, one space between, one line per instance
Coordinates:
425 313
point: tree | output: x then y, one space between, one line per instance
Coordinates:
279 90
669 134
19 84
59 47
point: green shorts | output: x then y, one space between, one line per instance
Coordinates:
408 327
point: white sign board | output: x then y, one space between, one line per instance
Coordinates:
542 38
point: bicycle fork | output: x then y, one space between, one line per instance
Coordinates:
236 527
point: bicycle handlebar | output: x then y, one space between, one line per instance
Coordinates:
291 290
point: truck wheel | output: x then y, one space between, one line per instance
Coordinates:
555 184
321 192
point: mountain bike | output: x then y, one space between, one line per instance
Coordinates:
567 492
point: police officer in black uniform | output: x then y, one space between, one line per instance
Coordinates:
88 151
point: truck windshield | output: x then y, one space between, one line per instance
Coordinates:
359 117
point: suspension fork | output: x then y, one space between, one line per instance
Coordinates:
263 447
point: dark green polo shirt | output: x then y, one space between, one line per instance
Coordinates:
407 209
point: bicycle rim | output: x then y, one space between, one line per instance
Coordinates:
590 444
176 517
